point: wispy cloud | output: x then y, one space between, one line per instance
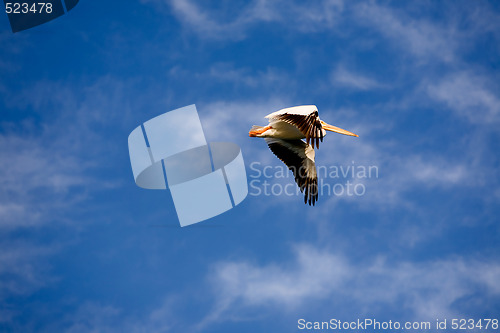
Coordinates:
422 38
238 77
261 79
43 163
21 268
317 274
48 170
470 95
344 78
234 22
31 166
24 269
94 316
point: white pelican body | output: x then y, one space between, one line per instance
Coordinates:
282 130
283 136
297 122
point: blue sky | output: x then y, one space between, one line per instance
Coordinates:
82 248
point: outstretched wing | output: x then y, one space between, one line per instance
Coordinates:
305 118
298 156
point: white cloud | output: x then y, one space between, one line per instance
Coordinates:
436 171
47 172
222 72
32 166
400 171
469 94
260 79
42 163
421 38
344 78
310 277
234 22
93 316
427 290
23 268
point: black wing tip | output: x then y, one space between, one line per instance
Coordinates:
308 186
311 194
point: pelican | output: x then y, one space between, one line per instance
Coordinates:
284 134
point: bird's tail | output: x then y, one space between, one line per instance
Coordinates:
255 130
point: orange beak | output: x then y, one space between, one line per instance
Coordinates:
335 129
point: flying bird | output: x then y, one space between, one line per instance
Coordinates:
284 134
